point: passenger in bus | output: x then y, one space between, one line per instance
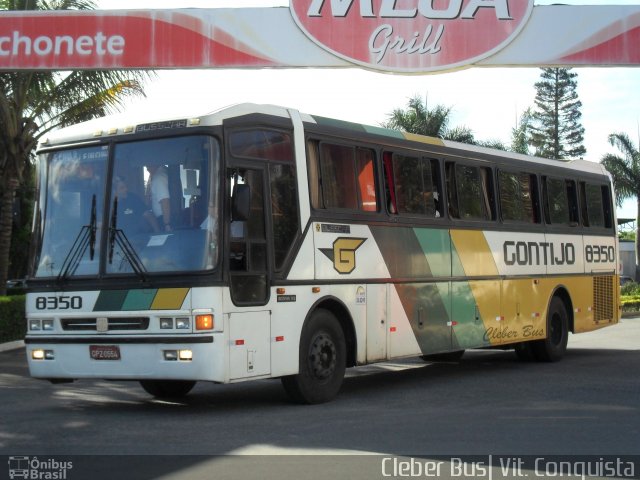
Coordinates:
158 194
133 215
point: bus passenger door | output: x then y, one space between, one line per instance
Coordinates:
248 322
249 354
247 238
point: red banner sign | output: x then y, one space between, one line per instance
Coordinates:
389 35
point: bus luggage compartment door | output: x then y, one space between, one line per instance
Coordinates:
250 340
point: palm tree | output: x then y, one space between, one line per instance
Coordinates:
34 103
625 172
417 118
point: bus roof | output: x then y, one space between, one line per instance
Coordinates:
119 124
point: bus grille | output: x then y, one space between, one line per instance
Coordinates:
90 324
603 298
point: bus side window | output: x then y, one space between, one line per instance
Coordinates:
452 193
414 190
262 144
389 182
474 188
518 197
365 159
561 201
438 200
608 206
342 177
595 205
337 168
284 210
313 167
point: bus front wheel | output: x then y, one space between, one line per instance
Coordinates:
553 348
322 360
167 388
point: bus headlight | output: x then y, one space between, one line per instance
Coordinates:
185 355
40 354
183 323
47 325
35 325
166 323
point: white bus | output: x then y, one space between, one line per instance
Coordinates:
258 242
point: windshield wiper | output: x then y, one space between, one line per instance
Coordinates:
86 239
118 237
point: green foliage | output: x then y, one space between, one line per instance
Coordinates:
418 119
13 325
630 289
625 169
629 236
556 129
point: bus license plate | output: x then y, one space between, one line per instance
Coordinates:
104 352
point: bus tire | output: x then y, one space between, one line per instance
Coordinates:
167 388
322 356
443 357
553 348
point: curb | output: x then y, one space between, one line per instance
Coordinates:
7 347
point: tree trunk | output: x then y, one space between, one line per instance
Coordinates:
6 229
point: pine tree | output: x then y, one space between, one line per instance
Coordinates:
556 129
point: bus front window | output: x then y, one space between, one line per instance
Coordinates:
163 215
70 204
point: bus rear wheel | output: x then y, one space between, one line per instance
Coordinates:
322 360
553 348
167 388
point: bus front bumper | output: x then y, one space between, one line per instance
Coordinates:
127 358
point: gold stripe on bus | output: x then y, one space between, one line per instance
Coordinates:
423 139
169 299
474 253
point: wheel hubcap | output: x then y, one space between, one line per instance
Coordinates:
322 356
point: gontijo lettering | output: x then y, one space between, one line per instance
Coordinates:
538 253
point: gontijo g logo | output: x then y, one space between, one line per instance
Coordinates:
343 253
412 35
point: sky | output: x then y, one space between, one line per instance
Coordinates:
487 100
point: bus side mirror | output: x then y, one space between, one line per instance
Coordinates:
241 202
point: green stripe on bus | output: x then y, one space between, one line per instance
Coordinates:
139 299
110 300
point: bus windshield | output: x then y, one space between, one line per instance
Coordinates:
156 212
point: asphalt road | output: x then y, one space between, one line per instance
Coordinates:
489 403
